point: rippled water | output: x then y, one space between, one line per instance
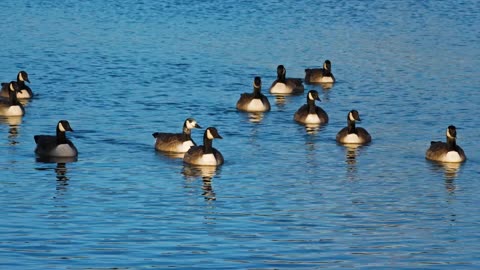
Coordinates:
285 197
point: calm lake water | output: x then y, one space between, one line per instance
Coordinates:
286 197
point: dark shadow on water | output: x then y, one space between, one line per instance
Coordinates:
206 173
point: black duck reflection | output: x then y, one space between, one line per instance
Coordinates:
206 173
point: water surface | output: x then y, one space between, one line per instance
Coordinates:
285 198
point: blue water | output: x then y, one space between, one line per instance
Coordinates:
286 197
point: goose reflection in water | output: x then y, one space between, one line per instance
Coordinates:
14 123
351 159
282 99
206 173
351 154
326 86
450 172
60 169
24 101
171 155
313 129
256 117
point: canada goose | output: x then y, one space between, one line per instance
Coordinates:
254 102
58 145
351 134
11 106
320 75
176 142
310 113
283 85
205 154
446 152
24 90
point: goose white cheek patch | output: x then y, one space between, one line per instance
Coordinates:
209 135
350 116
449 135
60 127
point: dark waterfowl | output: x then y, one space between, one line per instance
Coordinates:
205 155
11 106
310 113
320 75
352 134
56 145
24 91
283 85
447 151
176 142
254 102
